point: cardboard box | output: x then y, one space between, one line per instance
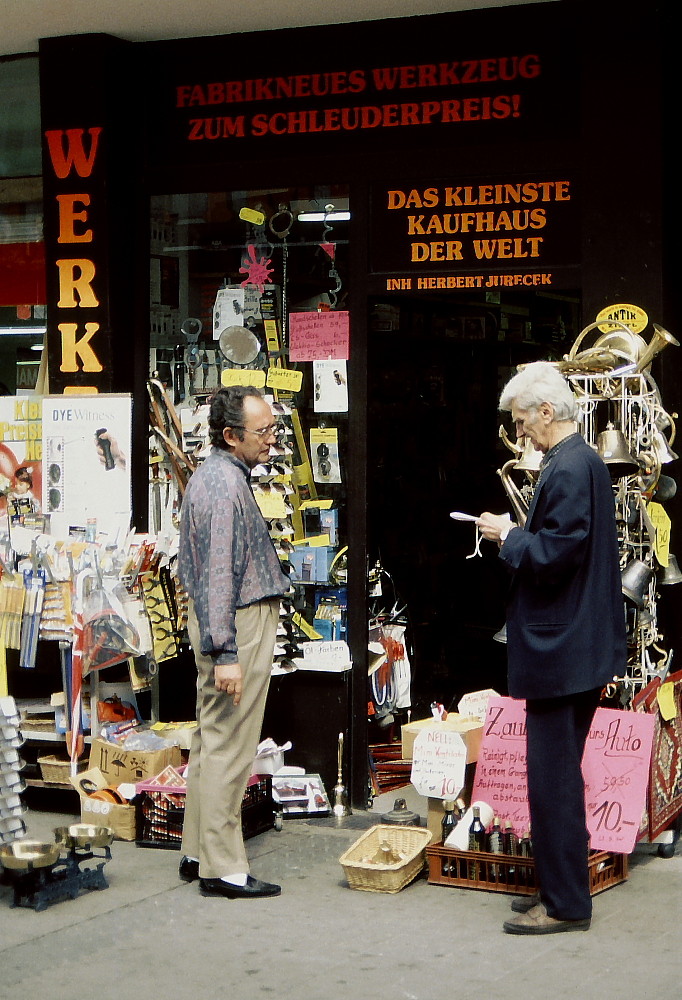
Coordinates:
470 728
311 564
119 818
435 810
117 764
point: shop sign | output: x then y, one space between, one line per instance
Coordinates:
524 226
357 87
72 157
622 314
378 97
439 759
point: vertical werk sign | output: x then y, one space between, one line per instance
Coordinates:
615 767
73 155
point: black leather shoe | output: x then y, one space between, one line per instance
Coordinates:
188 870
254 888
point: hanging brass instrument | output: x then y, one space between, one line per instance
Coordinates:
660 339
526 459
621 343
516 499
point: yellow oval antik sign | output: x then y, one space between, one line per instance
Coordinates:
633 317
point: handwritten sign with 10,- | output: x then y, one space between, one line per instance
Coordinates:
318 336
615 768
439 759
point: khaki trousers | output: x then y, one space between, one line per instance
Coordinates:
224 743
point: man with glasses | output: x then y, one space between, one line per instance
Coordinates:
229 567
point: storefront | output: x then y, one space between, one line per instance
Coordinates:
381 220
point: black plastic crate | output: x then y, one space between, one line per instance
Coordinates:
160 814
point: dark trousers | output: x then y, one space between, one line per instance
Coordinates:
557 729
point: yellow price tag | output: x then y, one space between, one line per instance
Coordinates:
323 435
251 215
271 505
665 696
661 522
243 376
317 504
284 378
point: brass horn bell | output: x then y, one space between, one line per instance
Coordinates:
635 580
530 458
660 339
671 573
613 449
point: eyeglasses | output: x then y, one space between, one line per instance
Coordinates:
274 430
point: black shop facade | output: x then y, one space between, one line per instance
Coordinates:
397 213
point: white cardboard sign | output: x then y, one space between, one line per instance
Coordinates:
439 759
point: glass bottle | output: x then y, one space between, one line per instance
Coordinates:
509 839
495 846
526 872
476 842
510 847
495 837
448 824
526 845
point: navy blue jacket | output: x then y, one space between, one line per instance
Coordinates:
565 616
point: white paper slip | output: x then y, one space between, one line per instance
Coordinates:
458 516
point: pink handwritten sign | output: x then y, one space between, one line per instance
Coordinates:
615 767
616 770
319 336
501 768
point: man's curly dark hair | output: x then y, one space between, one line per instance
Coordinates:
227 410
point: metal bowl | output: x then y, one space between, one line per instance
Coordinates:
63 838
23 855
86 836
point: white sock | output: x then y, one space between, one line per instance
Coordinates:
238 879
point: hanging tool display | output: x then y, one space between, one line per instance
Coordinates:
34 592
280 226
330 249
165 425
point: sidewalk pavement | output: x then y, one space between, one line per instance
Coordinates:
149 935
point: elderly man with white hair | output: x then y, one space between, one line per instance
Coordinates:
565 635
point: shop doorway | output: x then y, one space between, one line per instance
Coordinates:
436 367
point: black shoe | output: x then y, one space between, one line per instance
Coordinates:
188 870
253 888
522 904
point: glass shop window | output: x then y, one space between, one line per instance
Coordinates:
251 287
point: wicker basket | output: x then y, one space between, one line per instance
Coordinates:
58 771
409 841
